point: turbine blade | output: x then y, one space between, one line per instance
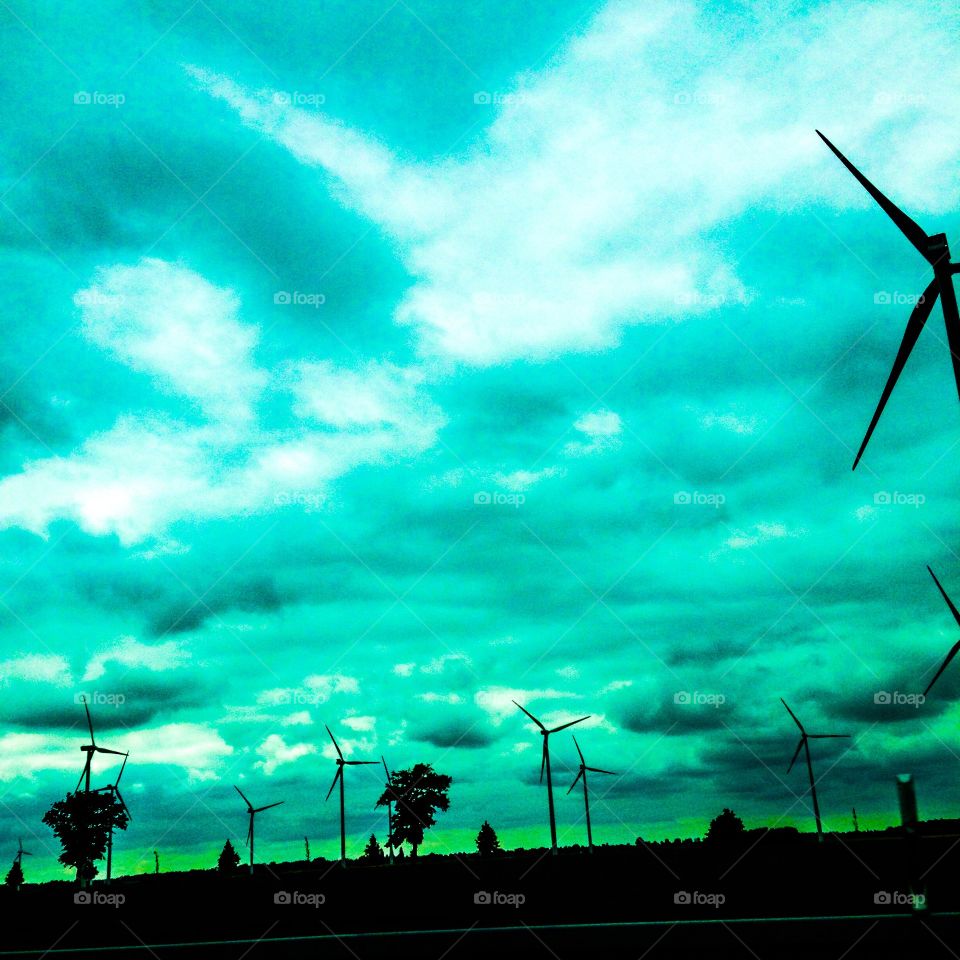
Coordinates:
336 777
792 714
530 715
951 319
598 770
269 806
336 746
245 800
576 778
123 765
943 666
543 758
123 803
83 773
943 593
86 707
118 753
907 227
918 317
385 770
359 763
579 751
828 736
796 753
563 726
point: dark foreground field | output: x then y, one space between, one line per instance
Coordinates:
847 897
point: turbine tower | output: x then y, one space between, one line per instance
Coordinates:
545 765
805 746
956 646
90 749
389 809
341 763
114 790
936 252
582 773
253 811
21 853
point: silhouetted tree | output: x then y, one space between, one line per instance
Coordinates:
724 827
82 822
487 840
373 852
229 859
15 876
417 794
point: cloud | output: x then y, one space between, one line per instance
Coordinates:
317 688
129 652
619 205
37 668
168 321
602 430
276 752
149 470
520 481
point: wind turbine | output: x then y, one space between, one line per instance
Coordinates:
341 763
545 764
253 811
21 853
114 790
935 251
956 646
805 746
582 772
389 809
90 749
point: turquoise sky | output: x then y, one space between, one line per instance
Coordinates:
376 364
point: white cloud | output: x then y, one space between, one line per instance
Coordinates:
758 534
520 481
498 701
39 667
732 422
129 652
360 724
170 322
592 201
602 429
149 469
440 697
568 672
317 688
276 752
301 718
404 669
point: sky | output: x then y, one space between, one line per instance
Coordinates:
378 364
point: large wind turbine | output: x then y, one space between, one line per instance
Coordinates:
114 790
90 749
253 811
21 853
805 746
935 251
545 764
582 773
389 809
341 763
956 647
